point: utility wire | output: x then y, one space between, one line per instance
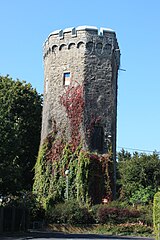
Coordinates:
139 150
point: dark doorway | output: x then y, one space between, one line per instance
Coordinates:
97 139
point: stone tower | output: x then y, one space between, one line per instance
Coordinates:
80 87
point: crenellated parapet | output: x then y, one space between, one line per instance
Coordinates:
92 40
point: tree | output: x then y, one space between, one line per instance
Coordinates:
20 124
124 155
138 172
142 195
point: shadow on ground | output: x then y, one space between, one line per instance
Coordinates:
53 235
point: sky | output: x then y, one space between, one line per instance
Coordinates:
25 24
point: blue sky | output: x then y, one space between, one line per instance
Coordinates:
25 24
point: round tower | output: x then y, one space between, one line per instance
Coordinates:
80 87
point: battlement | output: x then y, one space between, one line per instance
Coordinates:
73 31
90 38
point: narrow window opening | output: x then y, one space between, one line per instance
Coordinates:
97 139
66 79
46 85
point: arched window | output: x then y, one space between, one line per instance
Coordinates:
99 48
62 47
89 46
107 48
80 45
54 48
71 45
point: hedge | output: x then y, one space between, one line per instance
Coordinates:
156 215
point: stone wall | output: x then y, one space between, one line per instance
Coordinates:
61 55
92 59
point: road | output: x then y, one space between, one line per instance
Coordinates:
59 236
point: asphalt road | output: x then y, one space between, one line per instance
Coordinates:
58 236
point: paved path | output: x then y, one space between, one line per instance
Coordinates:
58 236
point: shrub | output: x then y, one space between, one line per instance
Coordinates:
119 204
141 195
146 214
107 214
28 201
156 214
69 212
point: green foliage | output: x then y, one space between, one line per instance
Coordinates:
124 155
146 216
82 178
156 215
40 171
87 179
138 176
20 124
141 195
28 201
112 218
69 212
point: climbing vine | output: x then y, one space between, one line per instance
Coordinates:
89 179
73 102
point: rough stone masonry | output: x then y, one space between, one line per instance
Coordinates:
80 87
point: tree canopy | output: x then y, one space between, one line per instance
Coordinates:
138 175
20 124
